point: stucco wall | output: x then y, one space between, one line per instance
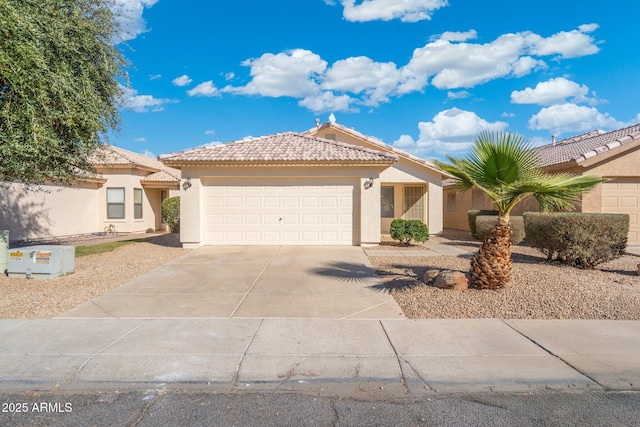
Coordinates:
53 211
403 171
127 179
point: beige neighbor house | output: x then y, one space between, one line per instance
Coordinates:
127 191
298 189
614 155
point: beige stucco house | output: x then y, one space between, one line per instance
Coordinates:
614 155
410 189
297 189
127 191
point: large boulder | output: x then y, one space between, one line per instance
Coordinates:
454 280
429 276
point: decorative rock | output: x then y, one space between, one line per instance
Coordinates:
429 276
455 280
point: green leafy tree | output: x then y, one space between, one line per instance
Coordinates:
59 90
505 167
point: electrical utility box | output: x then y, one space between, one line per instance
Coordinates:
42 262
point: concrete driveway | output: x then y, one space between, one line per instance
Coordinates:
334 282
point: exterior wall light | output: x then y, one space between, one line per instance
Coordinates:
368 183
186 184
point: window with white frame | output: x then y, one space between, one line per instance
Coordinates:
137 203
115 203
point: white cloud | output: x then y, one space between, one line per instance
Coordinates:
204 89
155 77
148 153
128 14
323 102
456 36
562 118
142 103
209 132
362 75
183 80
568 44
141 139
448 62
405 141
292 73
458 95
449 132
553 91
637 119
507 114
229 76
386 10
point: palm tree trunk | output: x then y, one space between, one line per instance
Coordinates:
491 266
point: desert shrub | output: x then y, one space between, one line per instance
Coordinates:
407 230
485 222
471 216
582 240
171 213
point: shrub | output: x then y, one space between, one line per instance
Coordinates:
471 216
485 222
171 213
582 240
407 230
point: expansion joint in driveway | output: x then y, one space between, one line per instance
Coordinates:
254 283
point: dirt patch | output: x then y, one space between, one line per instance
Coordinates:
94 275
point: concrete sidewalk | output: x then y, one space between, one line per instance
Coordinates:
320 355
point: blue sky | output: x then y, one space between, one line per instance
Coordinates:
424 75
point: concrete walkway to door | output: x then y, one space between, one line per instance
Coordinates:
335 282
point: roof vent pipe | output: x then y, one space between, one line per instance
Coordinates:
553 140
318 123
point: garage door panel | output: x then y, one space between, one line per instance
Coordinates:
290 201
287 211
624 197
309 201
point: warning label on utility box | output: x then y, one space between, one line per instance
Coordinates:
15 256
43 257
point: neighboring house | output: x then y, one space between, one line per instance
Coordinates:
410 189
614 155
127 191
294 189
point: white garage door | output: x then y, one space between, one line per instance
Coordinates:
624 197
279 211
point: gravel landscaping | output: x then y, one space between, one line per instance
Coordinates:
94 275
539 290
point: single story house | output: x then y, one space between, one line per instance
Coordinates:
299 189
614 155
126 191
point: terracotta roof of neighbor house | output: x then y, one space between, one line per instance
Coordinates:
111 156
376 142
587 145
279 149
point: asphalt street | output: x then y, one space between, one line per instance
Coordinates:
184 408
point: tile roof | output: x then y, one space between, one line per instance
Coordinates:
110 156
161 177
281 148
585 146
376 142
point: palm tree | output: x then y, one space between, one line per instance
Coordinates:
504 166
